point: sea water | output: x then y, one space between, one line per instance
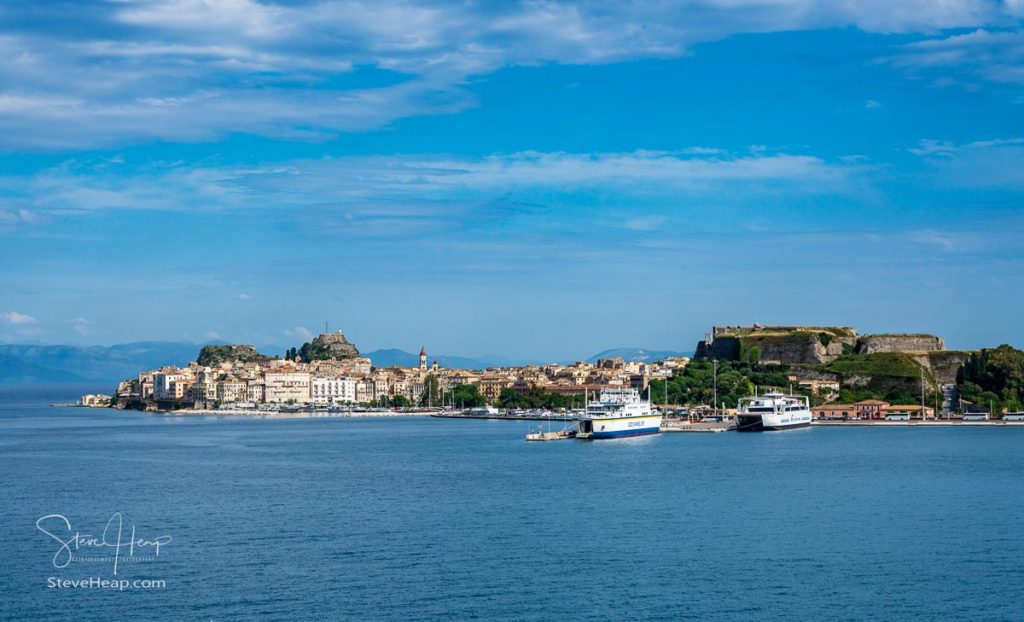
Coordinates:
425 519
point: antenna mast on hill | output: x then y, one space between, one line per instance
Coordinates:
326 329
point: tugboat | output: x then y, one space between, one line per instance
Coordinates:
773 411
618 413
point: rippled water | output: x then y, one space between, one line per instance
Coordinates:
417 518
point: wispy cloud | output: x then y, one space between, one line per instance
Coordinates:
17 319
944 241
646 223
412 194
987 55
993 163
192 70
82 326
299 332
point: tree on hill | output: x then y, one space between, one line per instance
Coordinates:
994 376
466 396
538 398
211 356
695 384
328 346
431 395
394 401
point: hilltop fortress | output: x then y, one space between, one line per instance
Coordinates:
829 350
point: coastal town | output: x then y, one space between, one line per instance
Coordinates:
339 376
845 377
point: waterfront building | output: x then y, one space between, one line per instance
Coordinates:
870 409
834 411
378 385
364 391
179 390
337 390
287 386
912 411
204 390
256 391
492 384
146 384
94 401
163 381
232 390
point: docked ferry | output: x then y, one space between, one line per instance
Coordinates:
773 411
617 413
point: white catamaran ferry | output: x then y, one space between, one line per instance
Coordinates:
773 411
617 413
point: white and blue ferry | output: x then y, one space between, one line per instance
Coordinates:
618 413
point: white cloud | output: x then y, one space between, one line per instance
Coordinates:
197 69
300 332
212 334
17 319
244 297
994 163
989 55
932 147
931 237
410 194
82 326
645 223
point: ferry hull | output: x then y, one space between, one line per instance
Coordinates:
620 427
625 433
756 423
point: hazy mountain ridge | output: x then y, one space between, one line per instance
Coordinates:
26 363
393 356
637 354
62 363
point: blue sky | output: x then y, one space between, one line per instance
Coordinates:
535 179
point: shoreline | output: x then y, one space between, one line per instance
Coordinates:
669 427
924 424
321 414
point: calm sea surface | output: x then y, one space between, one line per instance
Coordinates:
424 519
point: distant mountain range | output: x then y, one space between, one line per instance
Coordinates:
385 358
637 354
42 363
26 364
393 356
